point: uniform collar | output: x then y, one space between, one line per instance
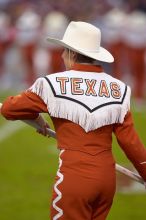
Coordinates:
87 67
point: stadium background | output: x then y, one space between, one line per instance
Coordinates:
28 162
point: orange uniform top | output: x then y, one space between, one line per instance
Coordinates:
71 136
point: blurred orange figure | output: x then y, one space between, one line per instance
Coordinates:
113 23
6 38
27 36
135 40
54 25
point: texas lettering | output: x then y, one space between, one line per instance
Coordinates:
89 87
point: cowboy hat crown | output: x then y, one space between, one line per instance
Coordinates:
85 39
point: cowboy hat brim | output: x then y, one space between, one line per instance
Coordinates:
101 55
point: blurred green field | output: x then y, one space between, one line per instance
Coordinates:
28 164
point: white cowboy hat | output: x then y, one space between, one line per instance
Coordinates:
136 21
115 18
55 24
28 20
84 38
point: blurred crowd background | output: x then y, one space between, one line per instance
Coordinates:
26 55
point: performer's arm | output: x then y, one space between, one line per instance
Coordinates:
25 106
131 144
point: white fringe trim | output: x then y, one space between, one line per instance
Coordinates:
62 108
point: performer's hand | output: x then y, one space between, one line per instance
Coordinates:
43 130
43 126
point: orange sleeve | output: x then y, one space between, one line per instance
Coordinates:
26 105
131 144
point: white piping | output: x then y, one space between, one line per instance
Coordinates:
143 162
59 194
